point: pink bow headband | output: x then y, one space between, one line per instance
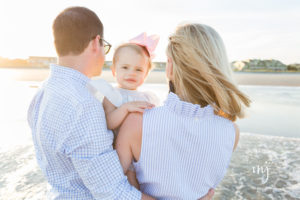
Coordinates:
149 42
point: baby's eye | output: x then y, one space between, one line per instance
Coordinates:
124 67
139 70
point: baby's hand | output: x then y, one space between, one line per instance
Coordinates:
137 106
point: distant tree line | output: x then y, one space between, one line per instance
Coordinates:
44 62
293 67
251 65
5 62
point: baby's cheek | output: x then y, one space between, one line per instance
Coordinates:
120 79
142 79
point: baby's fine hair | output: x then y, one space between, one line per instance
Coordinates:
141 50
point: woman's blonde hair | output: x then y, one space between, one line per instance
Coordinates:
137 48
201 71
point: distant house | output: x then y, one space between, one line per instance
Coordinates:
275 65
258 65
40 61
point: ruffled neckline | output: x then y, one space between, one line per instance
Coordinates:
175 104
126 90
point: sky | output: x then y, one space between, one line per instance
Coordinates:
262 29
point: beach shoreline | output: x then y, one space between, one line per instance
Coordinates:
158 76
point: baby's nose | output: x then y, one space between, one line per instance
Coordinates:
132 73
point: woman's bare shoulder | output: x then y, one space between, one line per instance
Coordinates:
131 131
132 126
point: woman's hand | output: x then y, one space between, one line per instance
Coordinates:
137 106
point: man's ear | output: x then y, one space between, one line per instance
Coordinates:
113 70
96 43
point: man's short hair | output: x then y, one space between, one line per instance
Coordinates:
74 28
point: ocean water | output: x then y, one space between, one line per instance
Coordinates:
266 164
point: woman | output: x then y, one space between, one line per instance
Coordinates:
183 148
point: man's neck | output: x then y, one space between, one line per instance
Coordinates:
76 63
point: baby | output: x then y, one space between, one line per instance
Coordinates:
131 65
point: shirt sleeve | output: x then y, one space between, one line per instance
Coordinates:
153 98
89 146
100 87
31 112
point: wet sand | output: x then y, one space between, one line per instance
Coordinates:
275 79
242 78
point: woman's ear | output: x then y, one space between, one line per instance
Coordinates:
169 69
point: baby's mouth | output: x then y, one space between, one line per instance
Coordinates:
131 80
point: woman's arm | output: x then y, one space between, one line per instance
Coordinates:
237 136
128 143
125 143
131 175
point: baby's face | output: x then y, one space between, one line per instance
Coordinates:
130 69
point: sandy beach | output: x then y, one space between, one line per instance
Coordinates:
242 78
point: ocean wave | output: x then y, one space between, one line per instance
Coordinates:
263 167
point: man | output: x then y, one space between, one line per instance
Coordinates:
72 143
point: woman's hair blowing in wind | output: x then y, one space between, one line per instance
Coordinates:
201 71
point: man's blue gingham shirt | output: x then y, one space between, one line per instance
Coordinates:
72 143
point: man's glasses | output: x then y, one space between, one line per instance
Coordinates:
106 46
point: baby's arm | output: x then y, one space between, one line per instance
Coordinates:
115 116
